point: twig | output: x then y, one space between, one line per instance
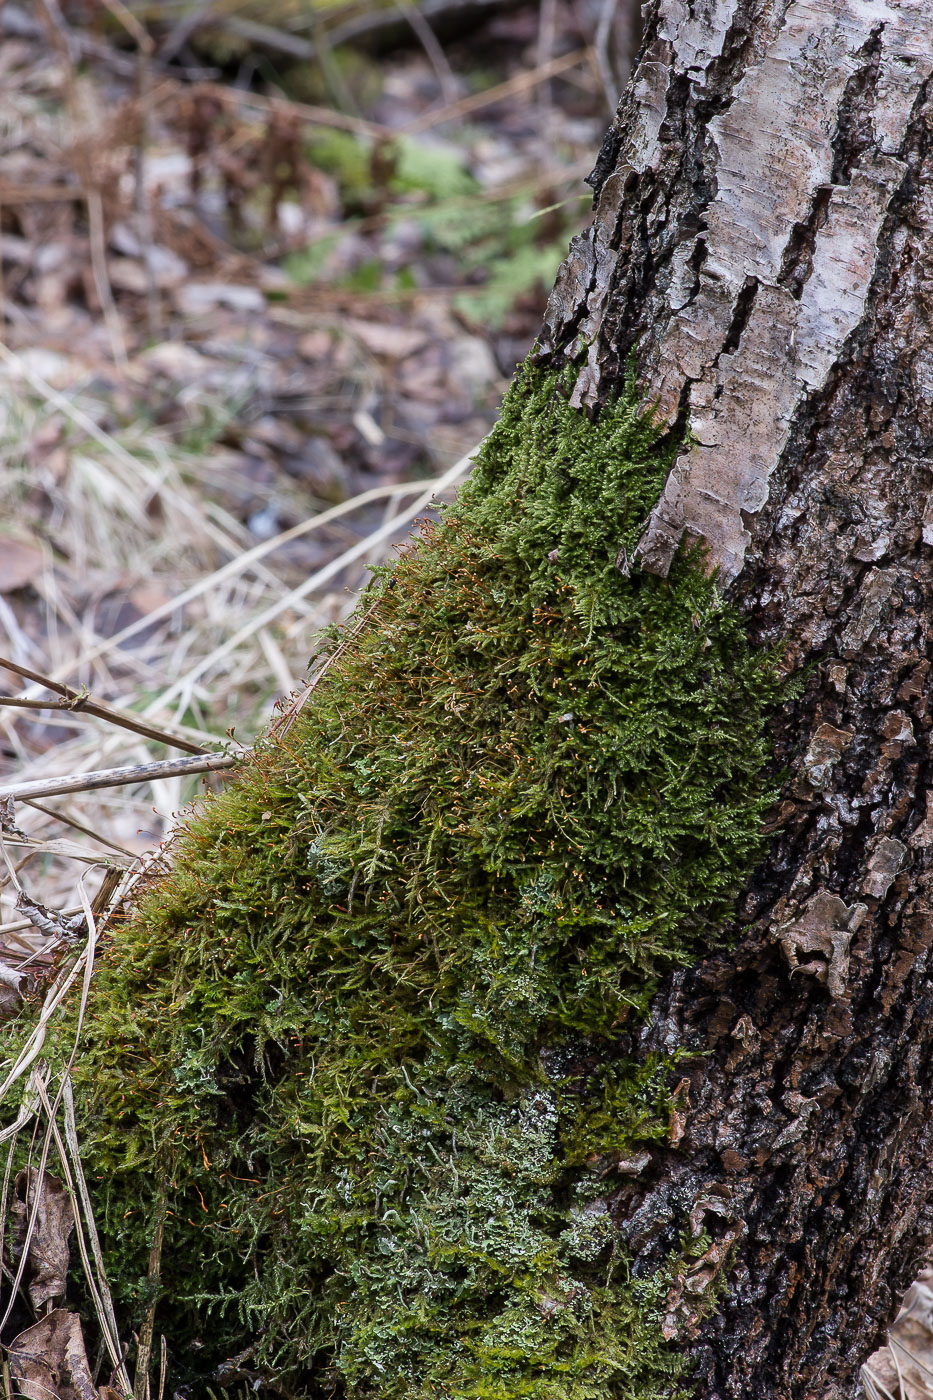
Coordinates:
39 194
119 777
62 35
522 82
131 24
270 38
601 48
182 30
75 700
322 116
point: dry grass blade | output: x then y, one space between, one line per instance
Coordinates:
120 777
315 581
243 561
107 1314
144 479
79 826
37 1096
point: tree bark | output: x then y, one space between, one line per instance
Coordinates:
763 245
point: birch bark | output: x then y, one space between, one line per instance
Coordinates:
763 244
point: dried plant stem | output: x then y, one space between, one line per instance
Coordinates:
110 1330
18 925
118 777
433 49
153 1273
78 826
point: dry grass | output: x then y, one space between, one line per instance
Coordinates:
218 644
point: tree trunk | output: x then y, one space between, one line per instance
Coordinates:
763 244
398 1051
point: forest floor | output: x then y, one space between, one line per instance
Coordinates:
256 310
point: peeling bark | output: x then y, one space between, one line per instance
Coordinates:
760 156
763 241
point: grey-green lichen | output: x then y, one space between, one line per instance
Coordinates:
364 1038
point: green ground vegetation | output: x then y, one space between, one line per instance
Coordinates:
363 1043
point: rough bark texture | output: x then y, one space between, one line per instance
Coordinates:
763 241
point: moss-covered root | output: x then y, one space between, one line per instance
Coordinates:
366 1033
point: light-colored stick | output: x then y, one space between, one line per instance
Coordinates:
117 777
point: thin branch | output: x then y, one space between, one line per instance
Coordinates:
522 82
119 777
432 48
77 700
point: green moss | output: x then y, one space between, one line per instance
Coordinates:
366 1036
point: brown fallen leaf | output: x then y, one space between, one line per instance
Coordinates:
46 1267
48 1361
389 342
20 564
903 1370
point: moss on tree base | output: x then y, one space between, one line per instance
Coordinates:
363 1041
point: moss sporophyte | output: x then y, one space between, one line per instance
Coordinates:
362 1042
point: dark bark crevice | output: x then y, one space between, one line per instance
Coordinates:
855 131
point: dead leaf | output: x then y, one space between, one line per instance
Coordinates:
8 818
48 1361
904 1368
20 564
197 298
50 921
47 1260
390 342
